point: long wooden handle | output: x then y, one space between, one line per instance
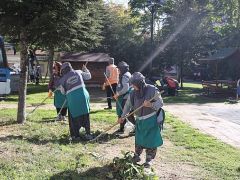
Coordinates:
40 104
96 138
62 107
140 107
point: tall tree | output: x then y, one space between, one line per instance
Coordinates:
76 31
29 18
122 37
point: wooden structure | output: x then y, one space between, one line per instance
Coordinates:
97 63
226 64
219 87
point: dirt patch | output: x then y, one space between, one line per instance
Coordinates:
220 120
165 164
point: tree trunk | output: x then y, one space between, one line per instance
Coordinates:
51 56
21 115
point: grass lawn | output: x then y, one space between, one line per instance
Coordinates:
192 93
37 93
40 149
203 150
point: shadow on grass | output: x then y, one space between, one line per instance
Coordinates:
47 120
8 123
34 89
108 137
196 95
96 173
63 140
9 99
102 111
35 140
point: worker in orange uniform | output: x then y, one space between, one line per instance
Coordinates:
112 74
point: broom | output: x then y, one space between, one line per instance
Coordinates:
100 135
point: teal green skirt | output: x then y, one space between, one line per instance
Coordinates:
119 103
148 133
119 106
78 102
59 99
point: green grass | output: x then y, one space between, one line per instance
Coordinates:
192 93
40 149
37 93
204 151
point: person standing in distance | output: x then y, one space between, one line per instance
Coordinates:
112 74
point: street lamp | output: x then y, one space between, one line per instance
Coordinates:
152 5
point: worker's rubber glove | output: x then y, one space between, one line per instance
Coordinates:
116 96
84 68
147 104
120 120
50 93
104 86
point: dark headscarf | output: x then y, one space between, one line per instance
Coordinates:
138 80
111 61
123 67
66 67
57 66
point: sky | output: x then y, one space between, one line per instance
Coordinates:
125 2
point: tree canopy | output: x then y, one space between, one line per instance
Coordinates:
63 24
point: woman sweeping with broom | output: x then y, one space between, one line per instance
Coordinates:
59 98
147 132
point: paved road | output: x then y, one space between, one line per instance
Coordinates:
217 119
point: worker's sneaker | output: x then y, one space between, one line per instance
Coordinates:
59 118
120 131
108 108
75 139
148 163
63 118
136 158
88 137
